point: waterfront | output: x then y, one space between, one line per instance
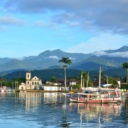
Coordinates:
53 110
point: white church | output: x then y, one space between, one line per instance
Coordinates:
31 83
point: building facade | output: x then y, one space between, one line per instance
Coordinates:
31 82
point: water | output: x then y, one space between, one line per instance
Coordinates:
53 110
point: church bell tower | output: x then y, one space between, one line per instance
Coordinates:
28 75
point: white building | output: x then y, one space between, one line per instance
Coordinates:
31 83
22 86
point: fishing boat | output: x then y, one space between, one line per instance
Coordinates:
113 95
88 98
99 96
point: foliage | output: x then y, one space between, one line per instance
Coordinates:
113 82
85 78
16 82
3 82
53 79
46 74
125 65
76 86
124 86
11 83
65 60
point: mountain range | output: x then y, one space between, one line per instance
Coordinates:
49 60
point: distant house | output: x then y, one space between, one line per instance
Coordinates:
55 88
59 82
59 85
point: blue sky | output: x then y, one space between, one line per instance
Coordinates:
29 27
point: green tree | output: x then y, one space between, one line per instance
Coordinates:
66 61
125 66
53 79
84 77
113 82
76 87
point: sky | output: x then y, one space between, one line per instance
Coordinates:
29 27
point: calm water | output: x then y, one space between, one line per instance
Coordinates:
53 110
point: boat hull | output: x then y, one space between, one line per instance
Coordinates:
89 100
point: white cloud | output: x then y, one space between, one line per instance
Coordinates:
53 57
10 20
119 54
115 54
100 42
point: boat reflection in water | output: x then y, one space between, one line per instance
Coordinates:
96 112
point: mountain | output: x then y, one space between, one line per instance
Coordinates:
122 49
49 60
121 52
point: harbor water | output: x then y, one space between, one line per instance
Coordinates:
54 110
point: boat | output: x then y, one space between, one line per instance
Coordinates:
113 95
89 98
99 96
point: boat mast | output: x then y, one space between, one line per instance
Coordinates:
100 77
87 79
81 79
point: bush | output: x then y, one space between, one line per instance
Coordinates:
124 86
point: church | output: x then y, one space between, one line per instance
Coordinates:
31 82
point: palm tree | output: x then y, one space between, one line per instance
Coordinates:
84 79
125 66
66 61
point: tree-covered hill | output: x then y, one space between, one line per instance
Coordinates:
46 74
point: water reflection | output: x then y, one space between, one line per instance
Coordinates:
52 97
103 113
53 110
64 123
33 100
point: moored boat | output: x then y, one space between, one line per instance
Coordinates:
100 96
88 98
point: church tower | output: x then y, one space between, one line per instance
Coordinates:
28 75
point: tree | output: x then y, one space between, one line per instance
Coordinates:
114 82
66 61
83 78
53 79
125 66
